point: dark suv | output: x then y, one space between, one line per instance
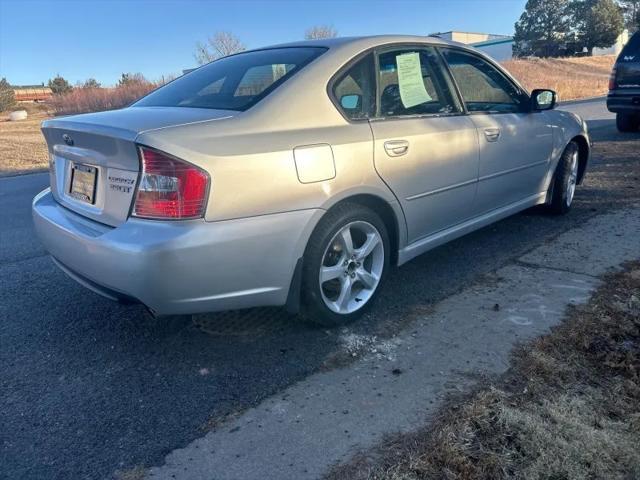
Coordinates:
624 87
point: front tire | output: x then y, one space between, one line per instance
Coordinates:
564 182
345 263
627 122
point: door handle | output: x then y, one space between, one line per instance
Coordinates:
395 148
492 134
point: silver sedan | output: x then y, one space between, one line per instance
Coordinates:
299 174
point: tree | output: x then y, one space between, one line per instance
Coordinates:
59 85
320 31
542 29
222 44
631 11
91 83
599 23
7 96
127 79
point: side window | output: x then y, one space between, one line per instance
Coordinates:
355 90
411 83
482 86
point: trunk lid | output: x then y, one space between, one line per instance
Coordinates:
94 158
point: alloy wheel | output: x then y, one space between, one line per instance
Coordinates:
572 179
351 267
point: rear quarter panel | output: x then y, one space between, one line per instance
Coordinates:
254 173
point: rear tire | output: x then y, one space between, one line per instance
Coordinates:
564 181
345 263
627 122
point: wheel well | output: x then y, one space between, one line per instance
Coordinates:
387 215
583 155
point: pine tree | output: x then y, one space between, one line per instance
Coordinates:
91 83
599 23
631 11
127 79
543 28
59 85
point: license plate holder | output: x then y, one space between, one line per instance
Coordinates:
83 183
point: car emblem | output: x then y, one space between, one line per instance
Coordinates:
67 139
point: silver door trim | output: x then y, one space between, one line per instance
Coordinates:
441 190
512 170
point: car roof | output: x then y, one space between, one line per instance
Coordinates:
365 42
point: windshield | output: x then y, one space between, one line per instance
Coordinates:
232 83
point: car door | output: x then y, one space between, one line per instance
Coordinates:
515 143
425 148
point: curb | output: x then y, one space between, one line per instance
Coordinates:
582 100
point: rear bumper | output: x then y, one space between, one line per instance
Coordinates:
178 267
627 103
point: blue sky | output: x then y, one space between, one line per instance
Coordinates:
103 38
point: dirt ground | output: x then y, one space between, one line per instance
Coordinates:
568 408
22 146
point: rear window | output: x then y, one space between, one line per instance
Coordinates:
632 48
232 83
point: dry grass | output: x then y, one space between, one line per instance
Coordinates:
572 78
84 100
569 407
22 146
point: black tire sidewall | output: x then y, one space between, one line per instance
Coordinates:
558 203
314 309
627 122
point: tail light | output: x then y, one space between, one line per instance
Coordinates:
170 188
612 80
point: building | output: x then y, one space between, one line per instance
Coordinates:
32 93
499 49
468 38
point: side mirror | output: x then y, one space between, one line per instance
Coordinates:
543 99
350 102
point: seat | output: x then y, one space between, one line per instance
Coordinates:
390 101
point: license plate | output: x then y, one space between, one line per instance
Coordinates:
83 183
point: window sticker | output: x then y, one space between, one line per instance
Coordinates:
412 91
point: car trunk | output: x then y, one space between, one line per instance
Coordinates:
94 158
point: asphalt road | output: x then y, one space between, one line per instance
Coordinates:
88 386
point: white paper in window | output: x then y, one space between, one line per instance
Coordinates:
412 91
